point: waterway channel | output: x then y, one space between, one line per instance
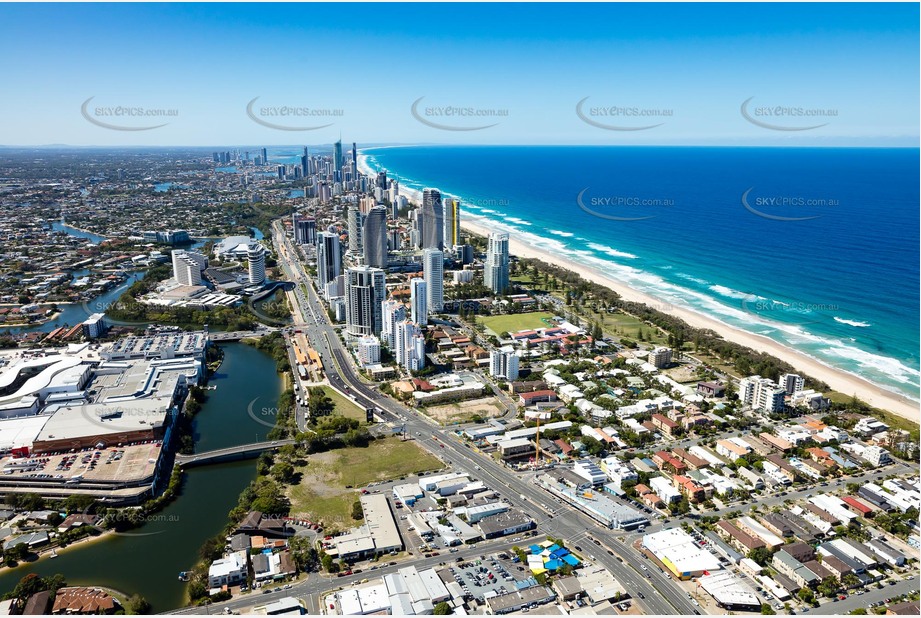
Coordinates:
148 560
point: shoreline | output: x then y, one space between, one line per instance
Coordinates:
85 231
54 316
45 553
836 379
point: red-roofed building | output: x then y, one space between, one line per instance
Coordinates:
692 461
857 506
527 399
565 447
668 462
652 500
642 490
525 334
687 487
820 455
668 426
422 385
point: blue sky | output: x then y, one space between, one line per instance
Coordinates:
858 63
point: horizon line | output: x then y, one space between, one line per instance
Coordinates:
440 144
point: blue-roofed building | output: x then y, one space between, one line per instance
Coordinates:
553 565
525 583
571 560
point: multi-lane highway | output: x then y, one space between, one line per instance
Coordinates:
659 594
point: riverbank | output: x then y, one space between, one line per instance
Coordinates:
84 230
150 556
44 555
51 318
838 380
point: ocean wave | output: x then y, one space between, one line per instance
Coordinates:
610 251
716 301
889 367
692 278
518 221
722 290
852 322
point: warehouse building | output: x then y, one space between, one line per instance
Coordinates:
730 592
679 553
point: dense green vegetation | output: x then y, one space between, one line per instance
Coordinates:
128 309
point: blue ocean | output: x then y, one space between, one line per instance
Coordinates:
816 248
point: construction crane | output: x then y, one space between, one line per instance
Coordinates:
538 416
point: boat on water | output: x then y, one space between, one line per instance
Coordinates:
183 576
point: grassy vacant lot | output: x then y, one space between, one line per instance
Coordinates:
344 407
500 324
464 411
321 494
627 326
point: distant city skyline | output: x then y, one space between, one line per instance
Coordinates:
619 74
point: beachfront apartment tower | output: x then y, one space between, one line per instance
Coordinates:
418 302
374 237
432 220
660 357
451 222
792 383
433 265
761 394
329 258
495 273
255 257
364 293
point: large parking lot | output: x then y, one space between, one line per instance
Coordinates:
487 575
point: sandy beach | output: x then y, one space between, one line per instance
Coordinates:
838 380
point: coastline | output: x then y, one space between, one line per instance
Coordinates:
836 379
